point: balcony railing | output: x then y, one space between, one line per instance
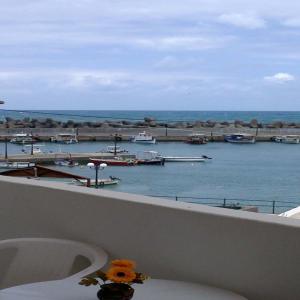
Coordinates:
265 206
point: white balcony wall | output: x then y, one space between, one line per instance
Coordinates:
251 254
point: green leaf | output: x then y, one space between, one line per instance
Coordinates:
97 274
101 275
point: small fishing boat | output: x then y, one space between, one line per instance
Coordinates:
33 149
66 163
150 158
143 138
287 139
16 165
240 138
117 161
196 139
64 138
114 149
22 139
101 182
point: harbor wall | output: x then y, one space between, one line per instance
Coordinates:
161 134
252 254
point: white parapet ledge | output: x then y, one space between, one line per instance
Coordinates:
155 201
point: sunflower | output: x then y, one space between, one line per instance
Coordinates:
126 263
120 275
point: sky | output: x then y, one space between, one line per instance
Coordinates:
156 55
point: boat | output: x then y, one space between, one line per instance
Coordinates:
64 138
22 139
101 182
16 165
287 139
196 139
143 138
33 149
115 150
66 163
155 156
150 158
117 161
240 138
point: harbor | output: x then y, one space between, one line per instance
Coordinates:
161 134
263 171
227 161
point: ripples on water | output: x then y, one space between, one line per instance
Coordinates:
261 116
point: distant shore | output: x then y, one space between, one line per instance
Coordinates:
44 129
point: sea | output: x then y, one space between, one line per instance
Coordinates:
248 174
163 116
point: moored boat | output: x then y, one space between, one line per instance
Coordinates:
22 139
114 149
66 163
101 182
287 139
33 149
16 165
196 139
240 138
153 161
114 162
143 138
150 158
64 138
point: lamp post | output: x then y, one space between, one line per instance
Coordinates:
97 166
6 156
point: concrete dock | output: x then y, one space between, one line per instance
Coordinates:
160 133
50 158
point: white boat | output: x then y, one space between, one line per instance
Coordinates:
156 155
287 139
240 138
101 182
115 149
64 138
36 149
143 138
184 158
16 165
66 163
22 139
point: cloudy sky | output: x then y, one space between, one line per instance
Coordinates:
134 54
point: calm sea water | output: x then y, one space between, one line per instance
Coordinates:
92 115
262 171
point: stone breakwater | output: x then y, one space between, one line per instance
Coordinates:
147 122
44 129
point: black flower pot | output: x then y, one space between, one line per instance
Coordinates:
115 291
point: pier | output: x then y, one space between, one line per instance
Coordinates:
50 158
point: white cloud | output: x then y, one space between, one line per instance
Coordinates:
242 20
85 79
280 78
183 42
174 63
